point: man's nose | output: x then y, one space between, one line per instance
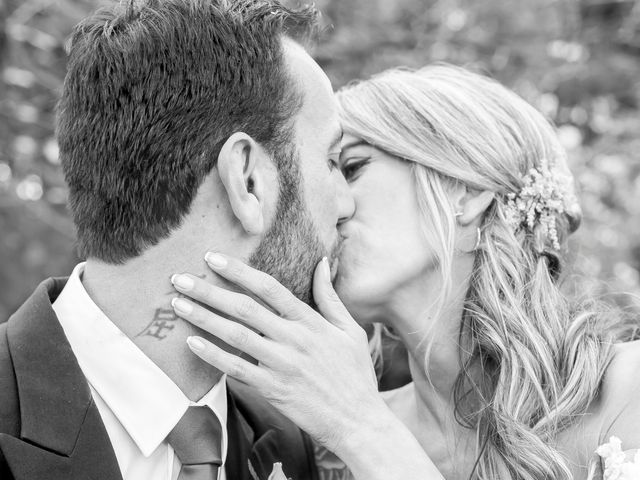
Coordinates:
346 202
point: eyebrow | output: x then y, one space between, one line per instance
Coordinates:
336 139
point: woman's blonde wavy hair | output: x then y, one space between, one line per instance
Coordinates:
542 356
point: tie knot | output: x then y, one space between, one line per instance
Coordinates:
197 437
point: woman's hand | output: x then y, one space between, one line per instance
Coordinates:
313 367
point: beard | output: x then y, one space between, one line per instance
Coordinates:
291 248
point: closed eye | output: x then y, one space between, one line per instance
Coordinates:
352 167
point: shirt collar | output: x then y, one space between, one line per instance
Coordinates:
142 397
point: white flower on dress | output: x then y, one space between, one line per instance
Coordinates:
277 473
616 466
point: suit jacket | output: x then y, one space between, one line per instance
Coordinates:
50 427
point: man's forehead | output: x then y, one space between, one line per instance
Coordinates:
317 121
307 74
301 64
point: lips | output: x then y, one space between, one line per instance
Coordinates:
335 257
334 268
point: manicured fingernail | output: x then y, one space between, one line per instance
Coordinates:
182 306
195 344
327 269
215 260
182 282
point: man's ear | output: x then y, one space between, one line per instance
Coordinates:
237 167
470 205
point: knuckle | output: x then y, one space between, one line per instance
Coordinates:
239 336
292 308
237 370
329 301
204 292
313 324
304 345
286 367
246 308
278 390
269 287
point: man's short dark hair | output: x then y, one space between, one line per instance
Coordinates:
153 90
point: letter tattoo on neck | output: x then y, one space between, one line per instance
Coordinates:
164 320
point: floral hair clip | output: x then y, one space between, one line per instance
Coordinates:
547 193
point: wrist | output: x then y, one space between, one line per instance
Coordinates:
382 447
373 425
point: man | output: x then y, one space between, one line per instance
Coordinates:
184 127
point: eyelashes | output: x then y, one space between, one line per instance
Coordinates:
353 167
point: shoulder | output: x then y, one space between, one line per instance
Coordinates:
9 407
615 412
622 377
37 305
620 397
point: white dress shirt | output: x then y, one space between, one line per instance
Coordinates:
137 401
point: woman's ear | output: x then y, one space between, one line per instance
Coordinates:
240 175
471 205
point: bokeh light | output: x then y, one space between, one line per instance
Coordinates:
577 61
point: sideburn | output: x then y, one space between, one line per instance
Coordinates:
291 248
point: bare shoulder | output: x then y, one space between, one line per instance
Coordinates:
615 412
619 410
622 376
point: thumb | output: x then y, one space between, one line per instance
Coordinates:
326 298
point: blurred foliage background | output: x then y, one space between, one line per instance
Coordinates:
576 60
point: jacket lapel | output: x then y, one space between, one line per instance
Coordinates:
264 454
62 435
250 457
258 438
241 437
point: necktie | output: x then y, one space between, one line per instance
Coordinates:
197 440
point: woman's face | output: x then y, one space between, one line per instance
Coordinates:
384 252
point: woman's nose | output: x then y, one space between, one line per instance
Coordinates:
346 202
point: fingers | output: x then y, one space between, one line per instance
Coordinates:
233 304
232 333
260 284
228 363
329 304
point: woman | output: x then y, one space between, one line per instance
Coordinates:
464 204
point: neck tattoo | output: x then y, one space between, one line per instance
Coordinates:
164 320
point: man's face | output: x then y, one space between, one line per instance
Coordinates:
314 199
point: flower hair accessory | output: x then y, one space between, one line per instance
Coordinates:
547 193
